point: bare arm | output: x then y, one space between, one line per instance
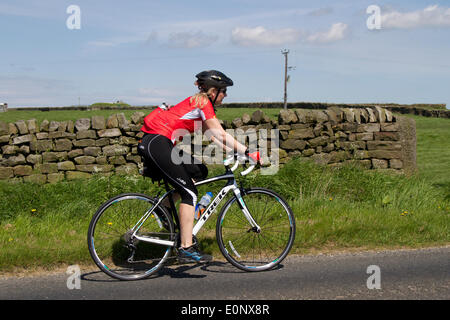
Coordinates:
218 135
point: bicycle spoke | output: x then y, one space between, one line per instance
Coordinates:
111 242
252 249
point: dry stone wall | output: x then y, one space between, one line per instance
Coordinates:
53 151
371 137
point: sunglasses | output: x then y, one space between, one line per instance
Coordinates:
224 91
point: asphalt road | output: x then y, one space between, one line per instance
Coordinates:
402 274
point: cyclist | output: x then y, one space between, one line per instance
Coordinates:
158 141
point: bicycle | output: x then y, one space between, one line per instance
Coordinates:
132 235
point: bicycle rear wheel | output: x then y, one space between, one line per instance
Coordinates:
244 246
112 245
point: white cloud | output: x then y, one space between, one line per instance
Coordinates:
261 36
337 32
191 40
430 16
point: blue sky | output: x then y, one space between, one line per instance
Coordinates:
147 52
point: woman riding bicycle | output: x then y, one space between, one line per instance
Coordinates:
158 141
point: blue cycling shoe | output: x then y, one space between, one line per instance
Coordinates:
192 254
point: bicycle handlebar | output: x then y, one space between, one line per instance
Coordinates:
240 159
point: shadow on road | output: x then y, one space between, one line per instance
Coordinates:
176 271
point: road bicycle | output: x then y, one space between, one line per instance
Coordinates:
132 235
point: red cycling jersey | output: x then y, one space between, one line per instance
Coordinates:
180 116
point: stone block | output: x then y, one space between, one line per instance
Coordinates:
22 127
55 177
95 168
384 145
86 134
293 144
6 173
54 156
379 164
63 145
22 139
74 175
321 158
44 125
36 178
115 150
84 160
92 151
83 124
101 142
387 136
62 126
365 136
122 121
54 126
287 117
319 141
9 149
32 126
4 128
396 164
308 152
22 170
98 122
61 134
84 143
138 117
301 133
49 167
66 166
34 158
390 127
112 122
369 127
257 117
127 169
70 126
237 123
385 154
4 138
117 160
42 135
11 161
109 133
371 115
75 153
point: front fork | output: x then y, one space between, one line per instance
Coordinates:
238 194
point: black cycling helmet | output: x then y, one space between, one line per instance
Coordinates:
213 78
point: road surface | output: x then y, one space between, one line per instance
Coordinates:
400 274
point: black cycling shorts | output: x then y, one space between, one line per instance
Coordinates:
157 153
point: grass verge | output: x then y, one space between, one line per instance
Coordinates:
335 209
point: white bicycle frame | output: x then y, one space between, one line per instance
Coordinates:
211 207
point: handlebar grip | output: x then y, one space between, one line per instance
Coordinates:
235 166
243 173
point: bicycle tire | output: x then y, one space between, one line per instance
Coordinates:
242 245
109 237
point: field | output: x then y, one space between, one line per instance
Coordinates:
61 115
335 209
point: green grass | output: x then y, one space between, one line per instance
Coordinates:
336 209
61 115
433 151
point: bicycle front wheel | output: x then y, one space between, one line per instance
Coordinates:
245 246
114 248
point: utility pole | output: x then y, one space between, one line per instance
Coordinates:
285 53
